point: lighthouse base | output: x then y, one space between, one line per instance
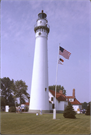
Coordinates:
39 111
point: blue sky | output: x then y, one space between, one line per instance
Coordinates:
69 23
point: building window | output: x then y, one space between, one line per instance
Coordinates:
53 106
71 99
51 98
45 89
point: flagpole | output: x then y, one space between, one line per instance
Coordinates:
54 110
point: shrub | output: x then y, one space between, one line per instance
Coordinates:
88 109
26 109
69 112
12 109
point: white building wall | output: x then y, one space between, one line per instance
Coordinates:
80 107
65 104
75 107
50 95
60 106
50 106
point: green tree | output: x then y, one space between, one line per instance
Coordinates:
2 99
58 88
12 109
7 92
20 91
84 105
69 112
88 109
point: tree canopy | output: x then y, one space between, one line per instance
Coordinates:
88 112
20 91
11 90
69 111
6 91
58 88
84 105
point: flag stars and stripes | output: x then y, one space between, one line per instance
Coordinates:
64 52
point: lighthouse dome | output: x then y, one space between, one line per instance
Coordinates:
42 21
42 15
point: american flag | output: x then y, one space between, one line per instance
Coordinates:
64 53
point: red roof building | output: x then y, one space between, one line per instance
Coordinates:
27 104
61 97
61 101
72 99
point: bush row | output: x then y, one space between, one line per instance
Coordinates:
13 109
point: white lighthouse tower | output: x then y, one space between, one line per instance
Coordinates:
39 99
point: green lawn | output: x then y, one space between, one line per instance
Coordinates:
26 123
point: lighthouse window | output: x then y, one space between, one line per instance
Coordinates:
39 33
45 89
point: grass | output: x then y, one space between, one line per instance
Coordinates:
26 123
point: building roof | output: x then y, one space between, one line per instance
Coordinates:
75 102
69 97
62 97
53 93
26 103
59 97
